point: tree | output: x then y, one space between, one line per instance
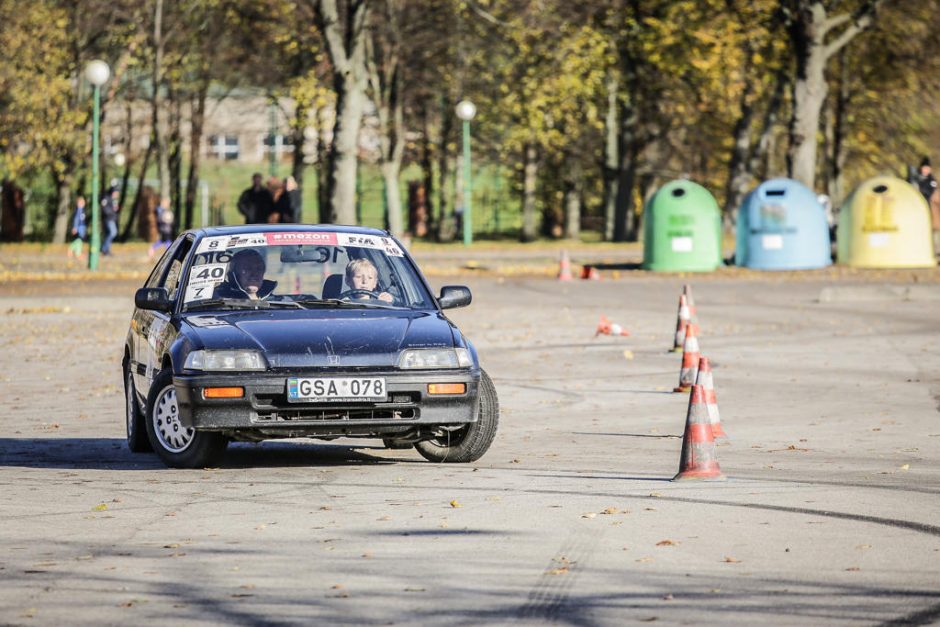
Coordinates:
343 24
815 38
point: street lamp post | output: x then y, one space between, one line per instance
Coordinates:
465 111
97 72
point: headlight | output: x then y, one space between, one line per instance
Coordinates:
226 360
435 358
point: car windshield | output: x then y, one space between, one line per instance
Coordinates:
303 269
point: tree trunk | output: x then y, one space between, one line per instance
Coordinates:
159 118
63 211
346 48
299 139
808 28
625 214
528 193
445 225
323 150
128 162
175 160
573 193
611 157
835 165
140 190
739 176
427 166
197 120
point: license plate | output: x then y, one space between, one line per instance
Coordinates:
336 389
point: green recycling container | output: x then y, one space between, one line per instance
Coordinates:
682 229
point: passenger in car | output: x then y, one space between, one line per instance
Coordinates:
246 277
362 275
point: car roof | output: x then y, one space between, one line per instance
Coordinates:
286 228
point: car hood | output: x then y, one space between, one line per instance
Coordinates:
323 338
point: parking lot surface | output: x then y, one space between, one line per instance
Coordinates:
829 390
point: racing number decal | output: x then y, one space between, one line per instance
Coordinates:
203 279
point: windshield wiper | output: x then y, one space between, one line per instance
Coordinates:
240 303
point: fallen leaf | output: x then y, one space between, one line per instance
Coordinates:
667 543
862 547
174 545
563 570
455 504
100 507
645 560
906 467
589 515
731 560
628 354
610 510
853 568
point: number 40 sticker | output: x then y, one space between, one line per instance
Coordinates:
202 280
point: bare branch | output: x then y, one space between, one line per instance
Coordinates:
861 21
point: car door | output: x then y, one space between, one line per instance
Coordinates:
156 328
141 322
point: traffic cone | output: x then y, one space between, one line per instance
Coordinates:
682 321
705 379
606 327
591 273
693 314
564 267
699 458
690 357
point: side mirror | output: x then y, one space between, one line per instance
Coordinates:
454 296
152 298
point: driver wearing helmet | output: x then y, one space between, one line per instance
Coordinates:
361 276
246 277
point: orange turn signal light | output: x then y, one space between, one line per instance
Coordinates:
447 388
223 392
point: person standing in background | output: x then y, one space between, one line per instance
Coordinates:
165 220
79 228
109 214
927 184
288 204
255 203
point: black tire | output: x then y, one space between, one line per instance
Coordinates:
176 446
137 439
396 445
470 442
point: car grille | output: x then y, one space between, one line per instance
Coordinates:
323 414
274 408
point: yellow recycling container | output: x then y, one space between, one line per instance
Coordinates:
885 223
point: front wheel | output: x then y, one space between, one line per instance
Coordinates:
467 443
176 445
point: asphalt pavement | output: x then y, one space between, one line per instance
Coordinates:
828 384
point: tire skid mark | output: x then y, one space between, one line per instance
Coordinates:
928 616
548 598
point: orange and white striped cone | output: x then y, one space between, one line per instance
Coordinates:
707 381
606 327
591 273
699 459
682 321
564 267
693 313
690 357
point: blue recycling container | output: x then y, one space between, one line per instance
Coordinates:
782 226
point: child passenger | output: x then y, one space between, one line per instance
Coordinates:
362 275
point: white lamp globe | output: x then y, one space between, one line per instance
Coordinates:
119 159
466 110
97 72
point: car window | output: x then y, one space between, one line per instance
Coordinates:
156 275
303 267
171 282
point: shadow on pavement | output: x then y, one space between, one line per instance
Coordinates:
112 454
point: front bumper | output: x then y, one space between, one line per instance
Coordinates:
265 407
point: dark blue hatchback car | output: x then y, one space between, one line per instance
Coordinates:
278 331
